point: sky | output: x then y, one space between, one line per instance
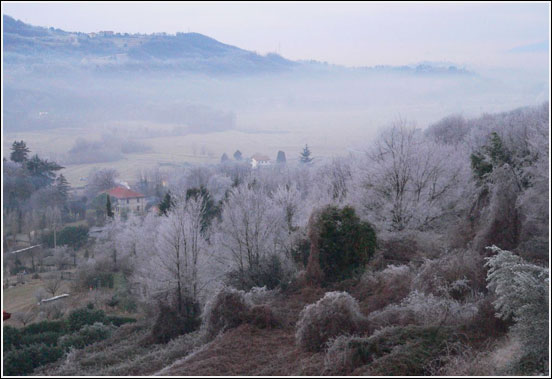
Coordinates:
508 35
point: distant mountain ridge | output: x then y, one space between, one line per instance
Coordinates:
25 43
30 45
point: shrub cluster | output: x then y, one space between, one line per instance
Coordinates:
422 309
270 272
391 285
230 308
171 323
391 351
24 360
46 341
87 335
85 316
335 314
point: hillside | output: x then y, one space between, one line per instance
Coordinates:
26 44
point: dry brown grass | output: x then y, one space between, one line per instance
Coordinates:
248 350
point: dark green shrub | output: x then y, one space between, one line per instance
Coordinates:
72 236
118 321
47 338
11 337
84 316
345 243
23 361
45 326
87 335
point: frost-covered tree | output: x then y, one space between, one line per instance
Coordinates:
247 235
408 181
522 294
173 271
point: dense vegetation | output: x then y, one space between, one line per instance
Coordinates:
44 342
427 255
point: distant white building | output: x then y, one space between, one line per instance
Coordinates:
258 160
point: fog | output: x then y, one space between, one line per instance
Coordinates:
67 92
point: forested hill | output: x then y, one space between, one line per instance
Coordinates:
34 46
25 44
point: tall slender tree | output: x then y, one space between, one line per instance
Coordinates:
109 211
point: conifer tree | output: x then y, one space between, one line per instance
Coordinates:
109 211
166 204
306 155
19 151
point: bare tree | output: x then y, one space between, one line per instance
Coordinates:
101 180
408 180
25 317
173 270
53 284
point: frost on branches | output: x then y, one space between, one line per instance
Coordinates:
522 291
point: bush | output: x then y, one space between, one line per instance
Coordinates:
262 317
419 308
45 326
23 361
118 321
391 351
170 323
384 287
457 274
98 275
227 309
47 338
73 236
11 337
85 316
87 335
270 273
341 244
335 314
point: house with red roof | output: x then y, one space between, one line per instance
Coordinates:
125 201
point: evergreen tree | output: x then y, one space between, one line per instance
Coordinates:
209 209
19 151
224 158
42 171
62 186
305 155
238 155
345 243
108 209
166 204
281 157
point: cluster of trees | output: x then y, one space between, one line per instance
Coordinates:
35 195
408 180
460 184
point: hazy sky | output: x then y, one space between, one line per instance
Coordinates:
353 34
